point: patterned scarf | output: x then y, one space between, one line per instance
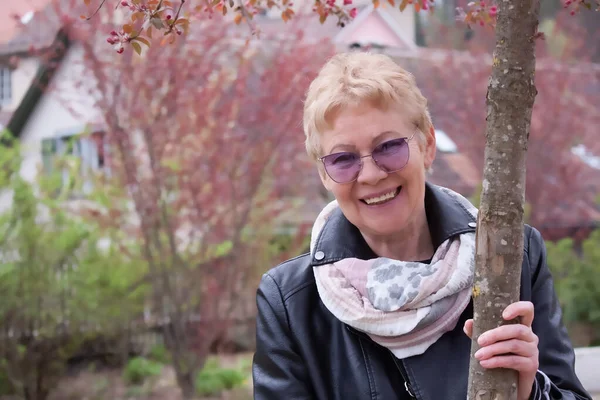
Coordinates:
405 306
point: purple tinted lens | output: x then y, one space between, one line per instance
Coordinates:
342 167
391 155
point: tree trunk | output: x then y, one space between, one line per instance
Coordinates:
185 381
499 243
184 360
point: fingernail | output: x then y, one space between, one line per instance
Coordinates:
478 354
481 339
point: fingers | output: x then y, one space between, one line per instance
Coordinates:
468 328
513 346
508 347
521 364
508 332
523 309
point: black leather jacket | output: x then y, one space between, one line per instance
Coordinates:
304 352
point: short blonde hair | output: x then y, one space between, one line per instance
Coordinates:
350 79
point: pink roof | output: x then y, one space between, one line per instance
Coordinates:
41 29
9 25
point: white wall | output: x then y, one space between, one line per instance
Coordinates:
21 78
65 108
405 20
62 110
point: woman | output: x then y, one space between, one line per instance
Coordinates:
380 308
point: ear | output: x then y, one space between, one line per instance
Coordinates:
430 148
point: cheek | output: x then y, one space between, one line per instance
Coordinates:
343 193
418 161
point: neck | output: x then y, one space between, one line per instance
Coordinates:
413 243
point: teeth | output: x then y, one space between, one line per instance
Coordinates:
383 198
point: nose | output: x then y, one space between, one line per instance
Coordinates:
370 173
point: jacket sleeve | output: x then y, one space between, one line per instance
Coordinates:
556 379
278 371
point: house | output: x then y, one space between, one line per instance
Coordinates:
373 27
453 168
40 53
379 27
24 107
42 122
15 79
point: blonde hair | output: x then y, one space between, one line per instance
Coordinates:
351 79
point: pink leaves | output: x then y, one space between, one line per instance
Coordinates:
479 12
576 5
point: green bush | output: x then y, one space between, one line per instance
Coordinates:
576 279
57 255
231 378
160 354
138 369
212 379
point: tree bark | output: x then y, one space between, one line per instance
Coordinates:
499 239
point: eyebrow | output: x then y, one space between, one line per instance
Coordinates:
345 147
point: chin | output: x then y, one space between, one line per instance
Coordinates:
388 228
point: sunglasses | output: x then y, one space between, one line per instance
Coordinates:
389 156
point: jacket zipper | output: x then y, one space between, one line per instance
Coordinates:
400 365
402 370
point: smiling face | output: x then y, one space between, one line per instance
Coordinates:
378 203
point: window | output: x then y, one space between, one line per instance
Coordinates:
5 86
90 149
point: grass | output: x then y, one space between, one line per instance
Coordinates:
93 384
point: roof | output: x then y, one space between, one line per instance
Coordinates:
44 75
453 168
12 11
46 28
457 170
315 31
387 19
38 33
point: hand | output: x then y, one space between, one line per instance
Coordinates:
512 346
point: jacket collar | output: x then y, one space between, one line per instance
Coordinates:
340 239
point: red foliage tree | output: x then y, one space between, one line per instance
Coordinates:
207 166
559 190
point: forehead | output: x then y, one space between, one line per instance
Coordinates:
363 127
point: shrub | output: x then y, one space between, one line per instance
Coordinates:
160 354
576 278
212 379
138 369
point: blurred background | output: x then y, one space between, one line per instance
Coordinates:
142 197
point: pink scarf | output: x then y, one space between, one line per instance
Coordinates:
405 306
